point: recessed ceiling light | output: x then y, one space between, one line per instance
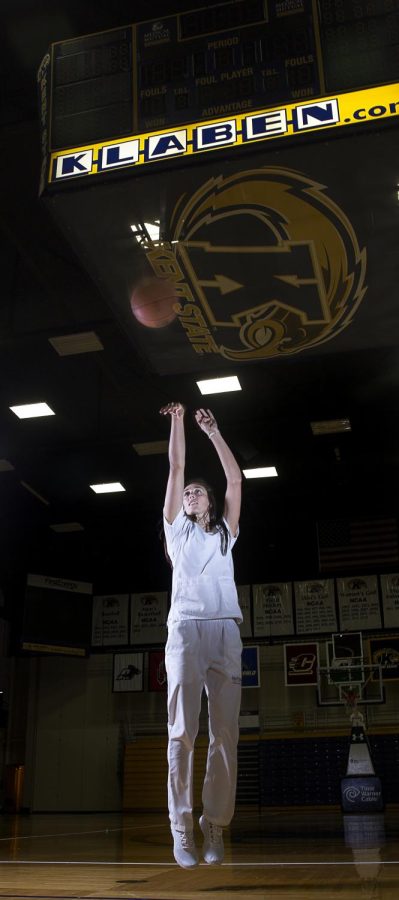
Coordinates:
113 487
151 448
330 426
219 385
72 344
262 472
65 527
32 410
6 466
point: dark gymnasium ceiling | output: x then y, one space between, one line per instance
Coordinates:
107 401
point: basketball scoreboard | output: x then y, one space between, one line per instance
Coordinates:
267 251
186 67
234 57
360 42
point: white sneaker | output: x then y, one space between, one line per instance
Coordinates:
212 848
184 849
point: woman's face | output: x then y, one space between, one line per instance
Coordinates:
195 500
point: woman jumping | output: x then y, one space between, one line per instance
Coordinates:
203 648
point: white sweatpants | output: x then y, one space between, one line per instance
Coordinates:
203 653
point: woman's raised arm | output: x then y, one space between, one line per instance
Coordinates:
232 501
177 456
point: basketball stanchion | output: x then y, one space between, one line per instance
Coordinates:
361 790
354 684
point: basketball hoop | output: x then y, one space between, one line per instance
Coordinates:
351 698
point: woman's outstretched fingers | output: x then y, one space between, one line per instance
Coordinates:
173 408
206 420
200 417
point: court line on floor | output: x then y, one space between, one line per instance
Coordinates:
227 865
140 827
30 837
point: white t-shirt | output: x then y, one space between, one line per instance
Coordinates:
203 584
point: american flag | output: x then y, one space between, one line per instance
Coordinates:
345 544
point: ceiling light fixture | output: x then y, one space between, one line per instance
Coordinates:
66 527
72 344
113 487
32 410
262 472
330 426
6 466
151 448
219 385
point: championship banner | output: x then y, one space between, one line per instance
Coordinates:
358 601
250 667
315 606
128 672
157 678
110 620
273 613
244 599
300 664
148 618
384 651
390 599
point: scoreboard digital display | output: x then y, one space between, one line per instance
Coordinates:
232 57
225 59
165 72
360 41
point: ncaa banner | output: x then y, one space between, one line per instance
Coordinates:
110 620
358 602
148 618
390 599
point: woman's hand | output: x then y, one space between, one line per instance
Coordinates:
206 421
174 409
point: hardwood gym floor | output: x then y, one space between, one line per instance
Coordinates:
293 853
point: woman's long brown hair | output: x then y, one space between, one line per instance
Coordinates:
215 521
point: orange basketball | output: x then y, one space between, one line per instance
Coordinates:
152 302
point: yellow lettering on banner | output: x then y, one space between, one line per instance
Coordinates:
190 309
167 268
183 290
208 346
164 263
194 324
331 111
195 330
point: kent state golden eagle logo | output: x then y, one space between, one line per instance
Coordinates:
267 265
